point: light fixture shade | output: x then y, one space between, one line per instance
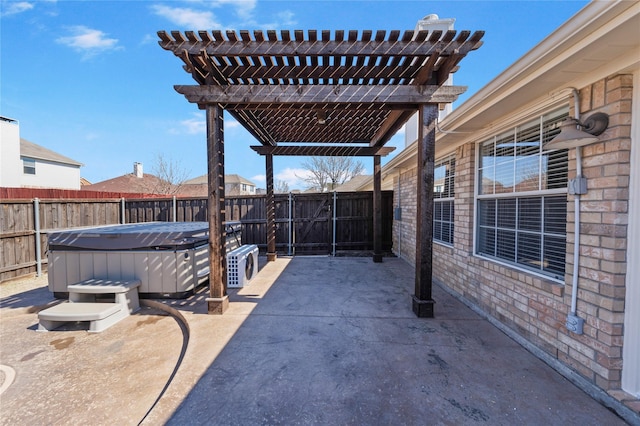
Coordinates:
570 136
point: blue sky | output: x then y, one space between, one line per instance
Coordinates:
88 79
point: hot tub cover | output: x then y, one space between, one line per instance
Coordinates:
135 236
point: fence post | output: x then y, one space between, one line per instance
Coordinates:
333 243
122 218
36 214
175 209
290 224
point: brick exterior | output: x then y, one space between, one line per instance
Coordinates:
531 305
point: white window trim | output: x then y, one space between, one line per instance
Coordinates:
477 197
31 161
442 200
446 158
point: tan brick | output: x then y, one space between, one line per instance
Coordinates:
597 94
615 194
633 405
596 275
619 80
613 267
612 317
576 345
615 218
619 94
605 383
622 107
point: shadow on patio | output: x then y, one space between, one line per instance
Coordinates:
321 340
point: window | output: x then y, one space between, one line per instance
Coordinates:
522 201
443 193
29 166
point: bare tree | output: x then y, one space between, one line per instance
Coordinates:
170 174
281 187
327 173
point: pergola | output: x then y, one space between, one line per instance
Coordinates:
323 94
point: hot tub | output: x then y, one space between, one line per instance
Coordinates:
169 258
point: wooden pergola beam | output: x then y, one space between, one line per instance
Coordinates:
373 95
353 47
324 151
394 122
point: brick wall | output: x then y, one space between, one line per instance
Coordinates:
404 230
531 305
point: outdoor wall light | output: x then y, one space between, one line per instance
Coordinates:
574 133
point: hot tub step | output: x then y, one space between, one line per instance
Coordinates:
100 315
125 291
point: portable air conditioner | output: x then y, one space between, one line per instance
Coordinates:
242 265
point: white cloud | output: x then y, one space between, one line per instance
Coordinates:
199 15
13 8
88 41
187 18
294 177
91 136
195 125
148 39
283 19
259 178
244 8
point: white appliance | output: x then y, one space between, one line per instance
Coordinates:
242 265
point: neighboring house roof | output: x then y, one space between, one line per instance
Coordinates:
84 182
149 184
31 150
228 179
193 189
197 181
353 184
237 179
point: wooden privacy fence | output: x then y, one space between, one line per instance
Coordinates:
327 223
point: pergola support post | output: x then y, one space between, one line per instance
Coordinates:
377 209
423 303
218 300
271 211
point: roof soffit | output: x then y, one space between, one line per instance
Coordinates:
598 41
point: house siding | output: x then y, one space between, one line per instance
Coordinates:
530 304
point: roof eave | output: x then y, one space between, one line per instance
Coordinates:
590 22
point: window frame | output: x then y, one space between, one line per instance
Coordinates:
557 187
438 202
30 166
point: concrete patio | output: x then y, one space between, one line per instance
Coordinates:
312 340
